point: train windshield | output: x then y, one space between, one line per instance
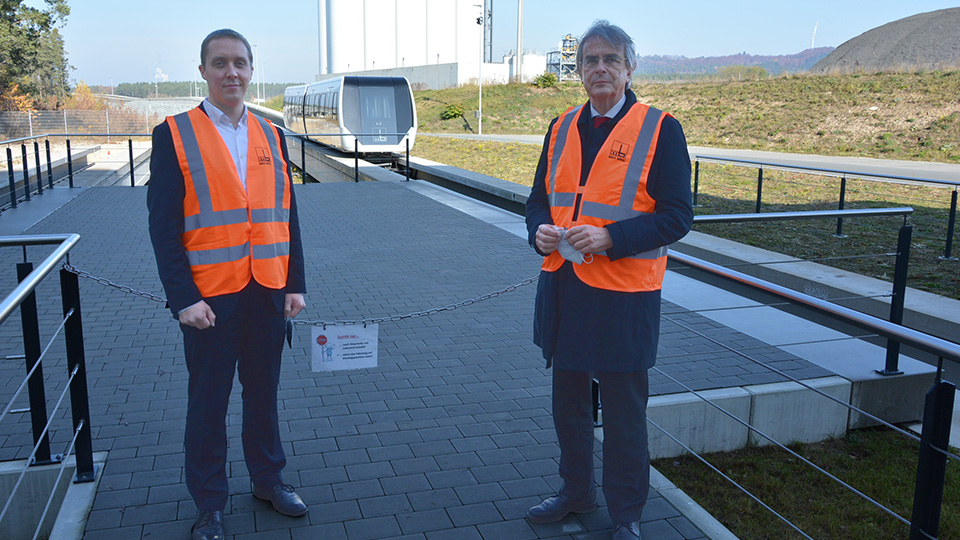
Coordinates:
378 114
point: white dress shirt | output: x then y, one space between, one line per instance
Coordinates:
236 138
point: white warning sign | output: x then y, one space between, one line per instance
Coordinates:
344 347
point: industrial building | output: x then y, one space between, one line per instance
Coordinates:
434 43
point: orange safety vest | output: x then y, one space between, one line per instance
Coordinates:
232 235
615 191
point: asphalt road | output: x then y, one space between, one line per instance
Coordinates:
853 166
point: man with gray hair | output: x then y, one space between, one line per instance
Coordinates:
611 191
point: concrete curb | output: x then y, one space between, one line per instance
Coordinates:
707 524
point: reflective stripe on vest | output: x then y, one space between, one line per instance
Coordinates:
251 242
555 199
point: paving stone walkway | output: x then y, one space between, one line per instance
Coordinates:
449 437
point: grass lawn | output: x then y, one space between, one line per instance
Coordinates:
877 462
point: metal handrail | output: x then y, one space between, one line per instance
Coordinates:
45 135
902 334
25 287
812 214
842 175
840 172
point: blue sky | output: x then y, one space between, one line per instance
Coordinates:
128 41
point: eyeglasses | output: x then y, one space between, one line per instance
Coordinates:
610 60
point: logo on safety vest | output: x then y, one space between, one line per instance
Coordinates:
619 151
263 156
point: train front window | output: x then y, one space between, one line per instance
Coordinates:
378 114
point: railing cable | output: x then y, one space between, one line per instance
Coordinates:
33 453
63 466
728 479
798 381
784 447
36 366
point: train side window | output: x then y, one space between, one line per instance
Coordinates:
333 106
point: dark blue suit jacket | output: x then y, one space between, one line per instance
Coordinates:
165 194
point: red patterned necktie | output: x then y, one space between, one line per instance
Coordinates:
599 121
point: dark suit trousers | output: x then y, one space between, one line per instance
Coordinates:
626 459
247 338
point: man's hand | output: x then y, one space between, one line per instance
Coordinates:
589 239
293 303
199 316
548 236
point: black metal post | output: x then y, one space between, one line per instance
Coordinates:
13 181
406 167
840 205
31 351
69 163
303 157
696 180
596 404
79 402
950 225
36 159
896 303
49 165
133 181
356 161
759 187
932 463
26 172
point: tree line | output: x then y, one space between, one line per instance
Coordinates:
186 89
33 62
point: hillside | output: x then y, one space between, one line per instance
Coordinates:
773 64
923 41
913 116
908 116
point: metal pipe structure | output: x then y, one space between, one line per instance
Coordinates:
832 172
904 335
810 214
518 62
25 287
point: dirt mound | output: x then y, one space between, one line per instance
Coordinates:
924 41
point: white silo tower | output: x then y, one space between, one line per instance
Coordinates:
359 35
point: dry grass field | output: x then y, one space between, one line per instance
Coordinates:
904 116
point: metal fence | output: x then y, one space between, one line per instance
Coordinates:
844 191
16 124
78 442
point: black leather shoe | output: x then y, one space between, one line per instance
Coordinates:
557 507
208 526
627 531
283 498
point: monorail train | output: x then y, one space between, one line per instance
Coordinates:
379 110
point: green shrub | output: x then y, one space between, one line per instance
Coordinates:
451 111
546 80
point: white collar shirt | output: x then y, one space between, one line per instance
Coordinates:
612 113
236 138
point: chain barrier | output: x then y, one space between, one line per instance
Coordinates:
389 318
424 313
104 281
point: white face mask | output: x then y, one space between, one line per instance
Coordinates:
567 251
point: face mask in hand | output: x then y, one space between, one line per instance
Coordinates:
568 252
